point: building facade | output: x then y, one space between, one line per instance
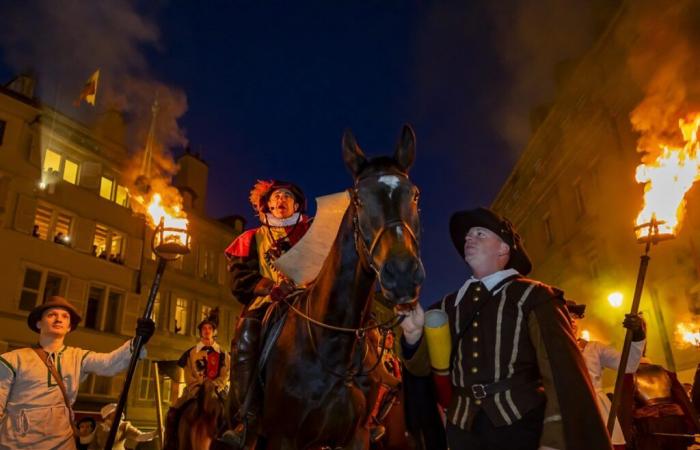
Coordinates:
574 198
66 228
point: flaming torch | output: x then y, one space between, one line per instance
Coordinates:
171 240
666 180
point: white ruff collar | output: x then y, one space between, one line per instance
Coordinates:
200 346
288 222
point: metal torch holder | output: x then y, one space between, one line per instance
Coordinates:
166 251
652 238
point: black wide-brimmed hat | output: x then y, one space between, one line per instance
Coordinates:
575 309
462 221
53 302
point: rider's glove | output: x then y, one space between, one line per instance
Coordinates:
281 290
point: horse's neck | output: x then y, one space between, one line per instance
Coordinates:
341 293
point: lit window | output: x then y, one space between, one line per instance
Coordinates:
52 161
42 220
181 306
99 243
70 171
106 188
62 228
122 195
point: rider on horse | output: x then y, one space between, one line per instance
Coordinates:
256 283
206 360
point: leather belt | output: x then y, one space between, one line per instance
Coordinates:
481 391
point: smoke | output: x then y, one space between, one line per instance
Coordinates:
539 43
64 43
666 63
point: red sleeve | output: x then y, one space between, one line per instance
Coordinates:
240 247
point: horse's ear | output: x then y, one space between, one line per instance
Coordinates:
353 155
405 152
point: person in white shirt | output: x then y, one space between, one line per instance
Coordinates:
599 356
33 411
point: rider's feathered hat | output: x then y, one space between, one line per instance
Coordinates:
263 189
211 319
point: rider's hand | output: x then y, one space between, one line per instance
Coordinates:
635 323
263 287
412 325
281 290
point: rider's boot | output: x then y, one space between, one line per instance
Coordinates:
170 441
246 355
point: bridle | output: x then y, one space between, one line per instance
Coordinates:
366 253
365 250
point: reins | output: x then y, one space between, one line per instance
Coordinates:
366 253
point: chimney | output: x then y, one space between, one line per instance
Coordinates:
192 179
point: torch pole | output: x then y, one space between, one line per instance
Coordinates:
137 345
617 395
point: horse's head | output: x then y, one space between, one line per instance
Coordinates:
387 226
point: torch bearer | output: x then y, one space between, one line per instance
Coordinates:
169 244
652 237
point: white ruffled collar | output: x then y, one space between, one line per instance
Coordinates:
288 222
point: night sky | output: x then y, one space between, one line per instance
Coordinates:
271 86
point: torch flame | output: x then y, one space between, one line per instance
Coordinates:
667 179
173 218
687 334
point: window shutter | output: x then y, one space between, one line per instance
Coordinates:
132 311
90 175
24 213
132 258
83 234
75 293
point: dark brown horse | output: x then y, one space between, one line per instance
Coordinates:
315 388
201 419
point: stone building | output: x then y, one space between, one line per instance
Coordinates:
573 194
66 227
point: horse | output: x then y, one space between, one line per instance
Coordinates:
201 419
315 387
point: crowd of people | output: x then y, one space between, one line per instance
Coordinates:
519 375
